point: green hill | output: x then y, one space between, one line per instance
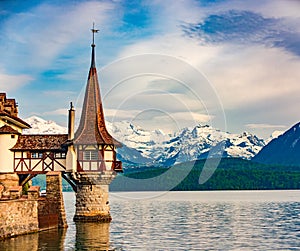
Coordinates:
231 174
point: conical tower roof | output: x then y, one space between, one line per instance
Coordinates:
92 129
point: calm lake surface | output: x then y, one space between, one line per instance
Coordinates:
222 220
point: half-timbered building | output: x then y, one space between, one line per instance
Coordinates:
87 157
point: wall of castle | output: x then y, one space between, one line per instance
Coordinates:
25 214
18 217
8 180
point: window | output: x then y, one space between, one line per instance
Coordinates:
90 155
12 136
36 155
60 155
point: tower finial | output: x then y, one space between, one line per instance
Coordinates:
93 65
94 31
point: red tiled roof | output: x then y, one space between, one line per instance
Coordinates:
40 142
8 130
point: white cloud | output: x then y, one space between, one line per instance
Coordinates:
241 75
61 111
13 82
279 8
264 126
152 119
249 75
157 100
48 29
57 93
118 114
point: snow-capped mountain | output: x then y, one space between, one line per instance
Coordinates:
41 126
274 135
144 147
185 145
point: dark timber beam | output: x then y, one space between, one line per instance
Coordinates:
71 183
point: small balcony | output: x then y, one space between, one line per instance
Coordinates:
99 166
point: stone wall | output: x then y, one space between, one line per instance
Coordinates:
92 203
32 213
8 180
18 217
55 197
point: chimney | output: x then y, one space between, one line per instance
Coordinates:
71 124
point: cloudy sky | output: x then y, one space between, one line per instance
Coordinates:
162 63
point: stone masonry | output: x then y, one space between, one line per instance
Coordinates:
92 204
18 217
55 197
8 180
21 214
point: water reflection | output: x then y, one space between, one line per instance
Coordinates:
89 236
92 236
47 240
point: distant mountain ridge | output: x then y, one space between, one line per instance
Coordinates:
187 144
41 126
148 148
284 150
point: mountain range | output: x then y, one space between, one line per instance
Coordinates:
146 148
284 150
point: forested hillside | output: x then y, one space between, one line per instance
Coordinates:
231 174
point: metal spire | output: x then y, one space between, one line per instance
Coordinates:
94 31
93 64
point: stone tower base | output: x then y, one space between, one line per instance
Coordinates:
92 203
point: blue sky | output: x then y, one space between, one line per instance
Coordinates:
162 64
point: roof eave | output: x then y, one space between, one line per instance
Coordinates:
16 121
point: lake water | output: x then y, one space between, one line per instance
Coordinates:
222 220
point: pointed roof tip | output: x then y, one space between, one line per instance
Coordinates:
93 64
92 129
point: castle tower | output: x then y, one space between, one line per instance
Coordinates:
95 149
11 127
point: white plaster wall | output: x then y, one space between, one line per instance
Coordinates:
108 157
7 156
71 160
58 167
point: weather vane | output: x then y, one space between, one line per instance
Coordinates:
94 31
